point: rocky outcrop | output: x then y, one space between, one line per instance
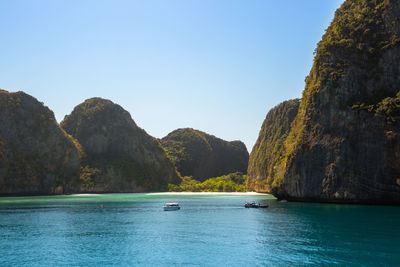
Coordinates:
36 155
120 156
344 144
267 150
203 156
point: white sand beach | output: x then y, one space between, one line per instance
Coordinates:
211 193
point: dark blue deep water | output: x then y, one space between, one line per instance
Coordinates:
212 230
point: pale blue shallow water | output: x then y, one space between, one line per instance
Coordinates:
133 230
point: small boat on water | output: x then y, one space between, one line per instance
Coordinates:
255 205
171 206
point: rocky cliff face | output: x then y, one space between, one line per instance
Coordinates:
36 155
344 144
203 156
268 148
120 156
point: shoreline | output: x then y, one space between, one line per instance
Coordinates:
209 193
140 193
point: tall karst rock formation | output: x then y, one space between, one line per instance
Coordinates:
344 144
36 156
267 150
203 156
120 156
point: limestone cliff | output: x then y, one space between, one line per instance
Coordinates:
344 144
120 156
36 155
203 156
267 150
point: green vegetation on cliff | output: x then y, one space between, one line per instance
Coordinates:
389 107
233 182
356 42
202 156
357 37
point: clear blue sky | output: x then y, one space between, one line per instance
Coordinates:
213 65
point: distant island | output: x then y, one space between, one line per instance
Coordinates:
204 156
339 143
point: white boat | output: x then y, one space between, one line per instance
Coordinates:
171 206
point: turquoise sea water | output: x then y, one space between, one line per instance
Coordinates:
133 229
